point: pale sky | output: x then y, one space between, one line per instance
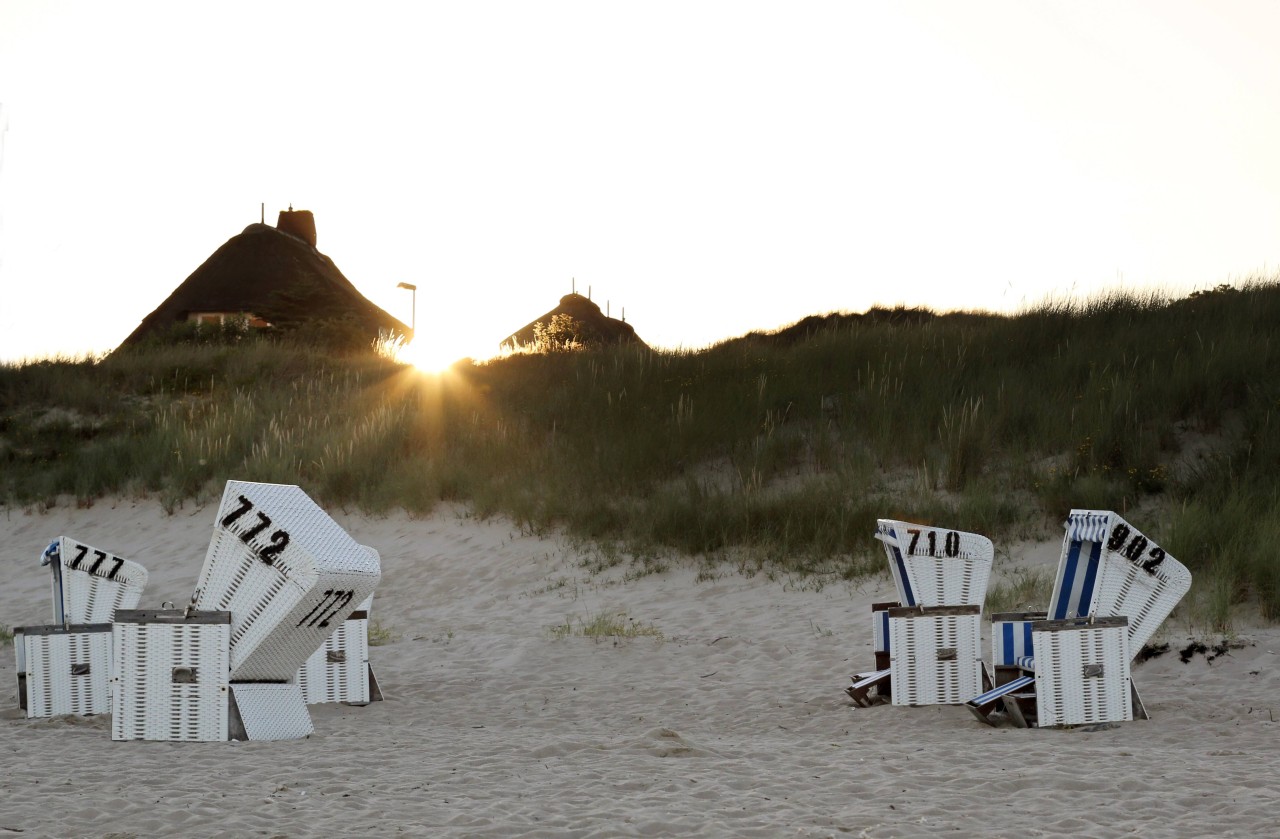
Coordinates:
711 167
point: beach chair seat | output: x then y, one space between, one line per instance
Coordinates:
280 576
931 567
340 670
65 667
1107 570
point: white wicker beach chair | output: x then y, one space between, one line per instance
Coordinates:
286 576
340 670
1059 667
926 644
65 667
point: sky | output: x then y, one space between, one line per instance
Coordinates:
705 168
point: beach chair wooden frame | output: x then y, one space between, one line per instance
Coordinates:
1107 569
930 567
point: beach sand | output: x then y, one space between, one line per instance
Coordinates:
734 723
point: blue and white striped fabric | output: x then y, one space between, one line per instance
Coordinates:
880 630
1088 525
1077 581
1026 662
904 579
1011 640
1003 690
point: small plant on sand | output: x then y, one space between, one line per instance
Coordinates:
607 625
6 635
380 635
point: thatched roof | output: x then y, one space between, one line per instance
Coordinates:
275 276
594 327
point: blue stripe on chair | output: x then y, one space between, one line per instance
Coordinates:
1026 662
1004 690
1069 569
908 595
1007 649
880 630
1090 577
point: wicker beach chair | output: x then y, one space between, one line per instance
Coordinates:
280 576
926 644
340 670
1070 665
65 667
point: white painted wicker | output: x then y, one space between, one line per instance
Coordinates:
64 669
171 675
339 671
1082 671
268 712
1138 580
287 572
90 584
936 566
936 654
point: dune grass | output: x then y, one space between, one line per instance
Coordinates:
776 450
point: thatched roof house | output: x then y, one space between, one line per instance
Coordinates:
593 325
275 277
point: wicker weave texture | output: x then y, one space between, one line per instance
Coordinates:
339 671
936 659
1126 587
94 583
1082 675
272 712
170 682
67 672
288 574
935 566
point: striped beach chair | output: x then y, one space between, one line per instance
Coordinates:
65 667
941 579
1069 665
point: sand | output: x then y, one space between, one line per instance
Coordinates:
733 723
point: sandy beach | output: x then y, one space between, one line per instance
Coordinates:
732 723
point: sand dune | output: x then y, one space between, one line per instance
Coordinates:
733 723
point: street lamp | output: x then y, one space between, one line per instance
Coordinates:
413 322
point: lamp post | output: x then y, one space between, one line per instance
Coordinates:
413 317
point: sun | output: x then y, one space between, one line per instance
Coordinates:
427 357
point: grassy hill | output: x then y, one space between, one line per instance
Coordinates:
768 451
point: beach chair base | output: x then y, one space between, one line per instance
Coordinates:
936 654
63 669
340 671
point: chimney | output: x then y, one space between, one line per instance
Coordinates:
298 223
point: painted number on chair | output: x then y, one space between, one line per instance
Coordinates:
334 600
99 567
950 543
1139 550
279 539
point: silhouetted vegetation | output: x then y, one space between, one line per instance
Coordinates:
776 449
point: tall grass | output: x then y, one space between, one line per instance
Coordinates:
758 449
